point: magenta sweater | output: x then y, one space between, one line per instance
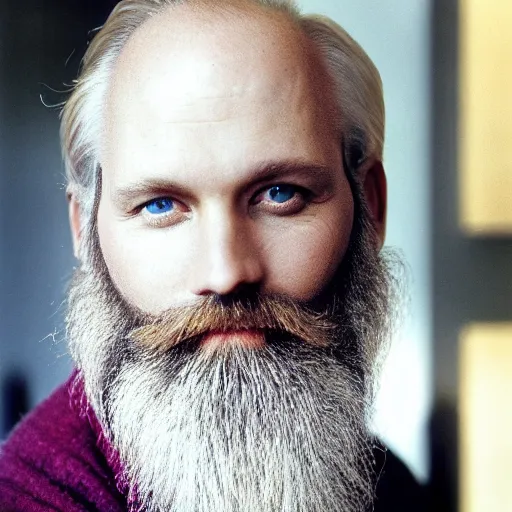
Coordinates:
58 460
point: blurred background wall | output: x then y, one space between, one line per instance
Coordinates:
396 36
472 272
455 278
40 47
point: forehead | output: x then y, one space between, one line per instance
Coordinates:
238 41
191 76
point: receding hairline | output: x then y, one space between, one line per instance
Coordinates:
278 27
205 11
237 6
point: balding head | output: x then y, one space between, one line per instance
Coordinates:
200 52
191 65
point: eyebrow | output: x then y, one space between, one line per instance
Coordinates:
269 171
128 194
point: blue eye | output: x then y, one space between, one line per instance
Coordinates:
281 193
160 205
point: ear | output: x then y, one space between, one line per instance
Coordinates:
375 192
74 222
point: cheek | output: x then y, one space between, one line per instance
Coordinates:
305 258
146 266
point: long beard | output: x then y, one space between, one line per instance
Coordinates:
278 428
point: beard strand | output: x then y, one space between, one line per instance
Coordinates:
244 430
281 428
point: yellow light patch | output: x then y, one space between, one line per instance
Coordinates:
486 418
485 116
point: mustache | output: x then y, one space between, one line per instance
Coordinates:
269 312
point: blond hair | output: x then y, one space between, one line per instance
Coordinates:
357 89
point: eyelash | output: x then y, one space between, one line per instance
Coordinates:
295 204
300 200
162 219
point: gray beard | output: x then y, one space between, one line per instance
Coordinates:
282 428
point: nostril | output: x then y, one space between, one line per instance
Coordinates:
248 293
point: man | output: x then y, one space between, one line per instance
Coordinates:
227 203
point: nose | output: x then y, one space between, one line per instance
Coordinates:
229 258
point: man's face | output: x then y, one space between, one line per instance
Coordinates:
222 173
221 164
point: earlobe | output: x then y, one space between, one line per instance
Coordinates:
375 192
74 222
